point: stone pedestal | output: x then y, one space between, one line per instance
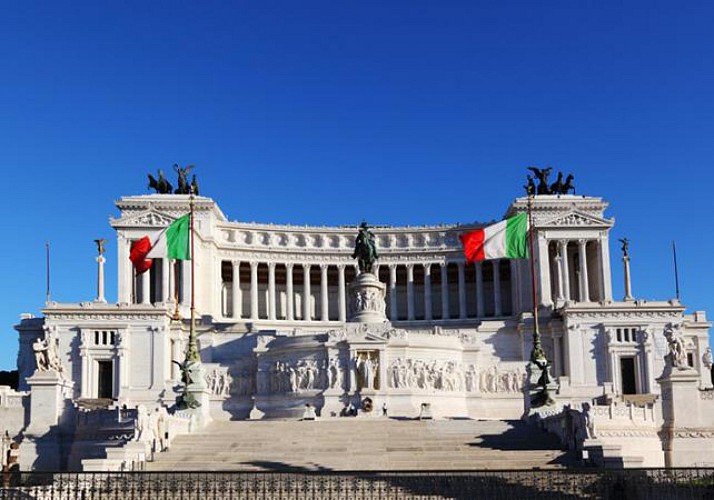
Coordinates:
688 413
366 299
539 400
43 446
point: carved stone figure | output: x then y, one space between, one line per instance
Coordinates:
677 353
530 186
625 247
365 249
542 176
39 347
183 185
100 245
160 185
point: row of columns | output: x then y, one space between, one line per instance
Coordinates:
394 306
563 285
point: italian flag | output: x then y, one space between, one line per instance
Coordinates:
172 243
504 240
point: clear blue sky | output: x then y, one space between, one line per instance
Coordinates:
328 112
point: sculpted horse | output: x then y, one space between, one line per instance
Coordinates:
568 186
557 186
365 249
160 185
542 176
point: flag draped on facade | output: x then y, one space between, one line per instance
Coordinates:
503 240
172 243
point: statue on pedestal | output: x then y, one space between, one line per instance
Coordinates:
677 353
365 249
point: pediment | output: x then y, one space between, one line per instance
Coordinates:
147 218
576 218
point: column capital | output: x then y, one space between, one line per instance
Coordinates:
235 262
271 265
305 266
563 243
323 267
443 264
341 266
254 264
289 266
409 266
427 268
582 241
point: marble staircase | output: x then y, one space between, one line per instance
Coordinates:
374 444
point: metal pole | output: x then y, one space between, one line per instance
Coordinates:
676 270
192 352
47 258
537 352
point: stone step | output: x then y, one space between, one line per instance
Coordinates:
361 444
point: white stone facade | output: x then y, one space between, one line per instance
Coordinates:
274 305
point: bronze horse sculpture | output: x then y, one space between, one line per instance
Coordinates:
365 249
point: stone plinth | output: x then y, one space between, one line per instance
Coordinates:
366 299
688 430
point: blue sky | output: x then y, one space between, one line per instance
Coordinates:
329 112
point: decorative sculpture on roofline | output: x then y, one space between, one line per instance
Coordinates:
558 187
365 249
162 186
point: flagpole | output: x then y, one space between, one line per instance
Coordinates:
676 271
47 268
192 352
537 352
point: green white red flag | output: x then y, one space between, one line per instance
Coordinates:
503 240
172 243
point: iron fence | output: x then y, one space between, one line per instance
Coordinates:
628 484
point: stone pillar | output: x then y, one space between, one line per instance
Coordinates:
410 292
306 300
125 270
687 419
394 316
444 291
342 302
42 447
427 292
166 280
367 299
325 306
100 279
480 308
604 269
253 290
145 279
563 245
628 283
462 291
560 283
271 291
497 307
515 287
236 295
543 270
289 293
583 263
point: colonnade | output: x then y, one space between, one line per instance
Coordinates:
259 290
578 270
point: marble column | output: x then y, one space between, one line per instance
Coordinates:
289 293
583 263
236 296
444 291
342 302
100 279
462 291
325 306
497 307
515 287
559 276
125 270
393 292
253 290
271 292
145 286
410 292
165 280
563 245
543 270
306 299
604 268
480 307
427 292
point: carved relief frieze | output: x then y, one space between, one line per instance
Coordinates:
431 375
